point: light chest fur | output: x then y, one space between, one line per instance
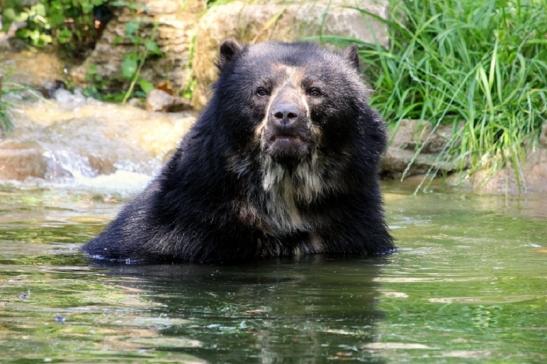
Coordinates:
285 192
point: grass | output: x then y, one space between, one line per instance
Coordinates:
480 64
5 120
8 87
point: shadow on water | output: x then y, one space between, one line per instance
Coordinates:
280 311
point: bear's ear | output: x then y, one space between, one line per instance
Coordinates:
229 49
351 55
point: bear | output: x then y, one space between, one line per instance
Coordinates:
282 162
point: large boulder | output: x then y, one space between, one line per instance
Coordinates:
530 177
170 22
31 67
61 138
416 148
267 20
189 35
159 100
543 135
22 160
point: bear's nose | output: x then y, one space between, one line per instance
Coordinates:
285 115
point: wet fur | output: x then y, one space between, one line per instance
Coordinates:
222 199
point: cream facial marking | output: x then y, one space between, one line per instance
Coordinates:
292 78
284 189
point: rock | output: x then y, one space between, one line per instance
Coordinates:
543 135
403 134
50 87
414 149
159 100
55 142
422 182
21 160
420 134
136 102
279 21
5 37
535 171
31 68
101 165
396 161
69 100
169 22
531 179
189 42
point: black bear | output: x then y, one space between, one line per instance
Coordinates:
283 161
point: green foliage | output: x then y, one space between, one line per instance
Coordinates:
476 63
100 87
68 24
133 62
130 81
73 27
190 86
130 64
217 2
5 121
8 87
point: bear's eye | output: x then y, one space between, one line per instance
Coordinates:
261 91
314 91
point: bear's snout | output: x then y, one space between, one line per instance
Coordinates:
287 110
287 120
285 115
287 132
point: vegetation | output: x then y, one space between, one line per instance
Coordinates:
14 89
5 121
72 26
129 82
480 64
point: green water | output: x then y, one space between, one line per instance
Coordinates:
467 285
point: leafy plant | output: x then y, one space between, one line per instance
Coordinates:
134 61
481 64
72 25
8 87
5 122
130 81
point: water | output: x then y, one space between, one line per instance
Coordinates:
467 285
74 140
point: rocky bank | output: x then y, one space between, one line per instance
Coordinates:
190 32
69 136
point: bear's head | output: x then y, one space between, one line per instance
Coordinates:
290 101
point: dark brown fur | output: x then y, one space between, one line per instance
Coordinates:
283 161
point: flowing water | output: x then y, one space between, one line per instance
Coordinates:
468 284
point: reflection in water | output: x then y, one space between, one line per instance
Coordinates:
271 313
467 285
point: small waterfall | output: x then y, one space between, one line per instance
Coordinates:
67 164
83 143
71 169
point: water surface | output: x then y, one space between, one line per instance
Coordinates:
468 284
